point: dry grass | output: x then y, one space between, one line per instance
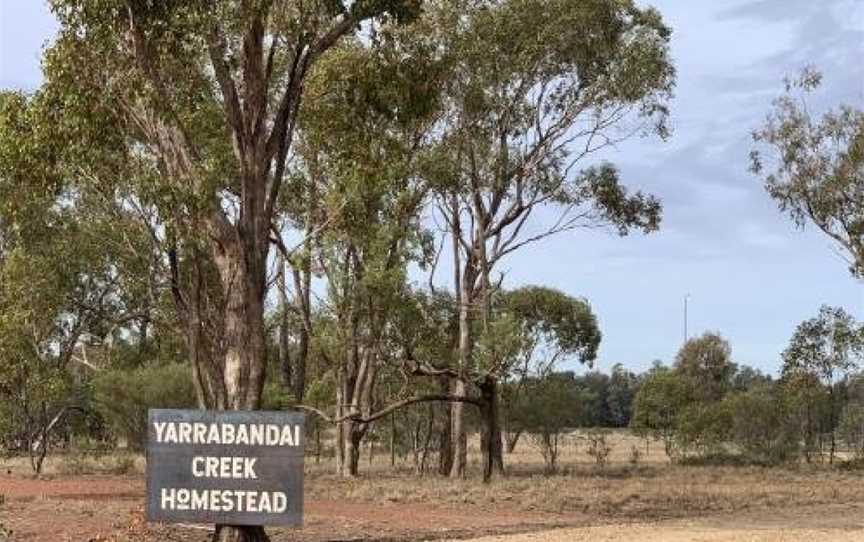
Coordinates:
653 488
74 464
646 492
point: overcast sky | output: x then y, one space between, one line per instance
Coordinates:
751 275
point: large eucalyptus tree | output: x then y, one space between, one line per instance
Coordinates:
539 88
813 166
189 110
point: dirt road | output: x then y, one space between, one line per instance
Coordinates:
822 524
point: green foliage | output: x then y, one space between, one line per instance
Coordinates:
706 362
545 409
621 392
819 171
598 447
703 428
550 317
851 428
827 346
662 396
548 405
761 426
123 397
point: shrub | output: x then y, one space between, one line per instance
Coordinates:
635 455
123 397
598 447
761 427
703 428
660 400
79 464
851 428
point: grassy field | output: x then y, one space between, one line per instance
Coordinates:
650 488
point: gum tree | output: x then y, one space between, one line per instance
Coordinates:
828 348
193 106
813 167
539 87
359 145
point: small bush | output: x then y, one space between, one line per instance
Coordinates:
123 397
598 448
724 459
854 464
121 465
635 455
81 464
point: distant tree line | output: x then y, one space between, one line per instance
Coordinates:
706 408
702 408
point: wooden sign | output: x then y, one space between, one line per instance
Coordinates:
225 467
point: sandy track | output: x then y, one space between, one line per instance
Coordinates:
822 524
668 533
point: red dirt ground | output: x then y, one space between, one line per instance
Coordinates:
109 508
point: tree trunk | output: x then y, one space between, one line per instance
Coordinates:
393 440
318 443
241 269
302 289
512 440
340 431
240 262
353 441
227 533
491 444
299 368
458 438
284 331
445 449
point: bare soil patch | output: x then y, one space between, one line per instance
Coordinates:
657 500
105 508
825 523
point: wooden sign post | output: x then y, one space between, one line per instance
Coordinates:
225 467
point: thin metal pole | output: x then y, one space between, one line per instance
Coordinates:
686 297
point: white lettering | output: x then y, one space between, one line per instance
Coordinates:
185 433
227 434
217 504
228 500
183 499
160 429
213 435
272 435
225 467
196 471
280 502
249 468
287 438
199 500
242 435
212 468
171 433
256 435
252 501
168 496
199 433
